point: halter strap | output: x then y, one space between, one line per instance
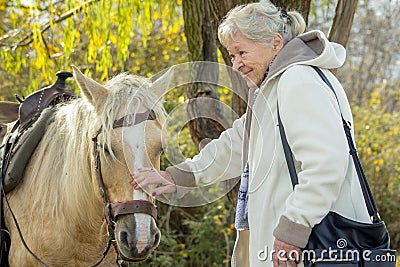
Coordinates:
137 118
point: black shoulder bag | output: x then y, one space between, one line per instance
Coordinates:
339 241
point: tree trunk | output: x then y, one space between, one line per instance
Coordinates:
205 117
343 21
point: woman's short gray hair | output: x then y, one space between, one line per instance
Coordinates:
259 22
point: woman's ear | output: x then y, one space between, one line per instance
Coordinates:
277 42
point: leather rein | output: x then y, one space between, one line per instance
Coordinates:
114 209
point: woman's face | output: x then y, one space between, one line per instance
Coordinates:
250 58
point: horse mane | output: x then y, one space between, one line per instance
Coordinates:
62 169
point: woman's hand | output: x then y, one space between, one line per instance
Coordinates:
285 253
147 176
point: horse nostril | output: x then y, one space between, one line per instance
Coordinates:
156 239
123 236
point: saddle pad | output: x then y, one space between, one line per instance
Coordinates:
24 145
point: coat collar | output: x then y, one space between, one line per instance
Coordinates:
311 48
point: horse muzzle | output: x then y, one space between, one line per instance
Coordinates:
136 236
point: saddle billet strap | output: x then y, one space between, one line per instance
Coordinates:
133 206
134 118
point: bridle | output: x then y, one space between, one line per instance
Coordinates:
114 209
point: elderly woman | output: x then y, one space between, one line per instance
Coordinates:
269 48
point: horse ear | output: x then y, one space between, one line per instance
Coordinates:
8 111
162 84
94 92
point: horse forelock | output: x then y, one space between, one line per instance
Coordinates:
128 93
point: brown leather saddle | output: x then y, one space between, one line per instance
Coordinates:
23 135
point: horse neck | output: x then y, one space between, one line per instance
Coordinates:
63 164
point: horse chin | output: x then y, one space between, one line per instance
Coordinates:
133 257
128 259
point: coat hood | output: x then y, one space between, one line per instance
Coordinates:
311 48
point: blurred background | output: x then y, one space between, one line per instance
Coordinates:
105 37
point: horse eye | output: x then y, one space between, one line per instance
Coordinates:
105 149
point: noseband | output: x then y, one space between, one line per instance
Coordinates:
113 209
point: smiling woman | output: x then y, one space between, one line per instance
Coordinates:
253 43
252 59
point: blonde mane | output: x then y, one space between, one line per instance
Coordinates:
61 171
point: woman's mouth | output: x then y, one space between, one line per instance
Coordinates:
246 74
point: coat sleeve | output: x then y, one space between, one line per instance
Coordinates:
310 114
221 159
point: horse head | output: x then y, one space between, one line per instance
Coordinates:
128 137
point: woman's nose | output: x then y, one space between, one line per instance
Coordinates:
237 63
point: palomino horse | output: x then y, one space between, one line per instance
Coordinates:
59 207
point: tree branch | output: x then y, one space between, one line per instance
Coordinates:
28 39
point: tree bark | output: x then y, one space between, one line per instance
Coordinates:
343 21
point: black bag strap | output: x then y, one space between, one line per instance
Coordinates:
368 198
